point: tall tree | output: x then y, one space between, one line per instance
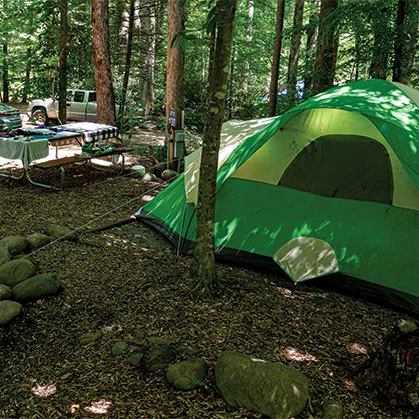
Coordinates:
295 48
406 40
62 63
102 62
175 62
279 26
128 56
327 46
203 266
383 33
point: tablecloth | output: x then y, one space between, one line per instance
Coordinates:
26 149
90 131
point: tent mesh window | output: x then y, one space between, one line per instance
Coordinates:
342 166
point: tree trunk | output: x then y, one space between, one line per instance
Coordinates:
105 94
295 49
383 38
27 84
406 39
279 26
62 63
203 266
148 33
392 373
128 56
5 72
327 46
312 34
175 65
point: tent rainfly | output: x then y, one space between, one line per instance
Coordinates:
331 186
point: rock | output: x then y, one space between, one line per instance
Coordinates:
59 232
169 174
90 337
272 389
159 358
155 340
5 292
8 311
16 271
149 177
135 357
189 350
119 348
36 287
15 244
38 240
138 170
159 168
188 374
332 410
4 253
407 326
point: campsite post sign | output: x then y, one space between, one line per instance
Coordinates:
176 135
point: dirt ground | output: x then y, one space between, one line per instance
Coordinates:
129 283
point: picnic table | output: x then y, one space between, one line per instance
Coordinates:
33 144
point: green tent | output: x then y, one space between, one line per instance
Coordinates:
331 186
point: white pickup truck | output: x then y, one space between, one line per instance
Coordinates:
81 106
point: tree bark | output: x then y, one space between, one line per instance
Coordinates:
279 26
203 266
327 47
175 66
128 55
406 40
102 62
62 63
295 49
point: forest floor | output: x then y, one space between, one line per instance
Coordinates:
129 283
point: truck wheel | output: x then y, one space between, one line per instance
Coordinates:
40 117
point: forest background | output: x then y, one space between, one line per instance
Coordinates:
304 45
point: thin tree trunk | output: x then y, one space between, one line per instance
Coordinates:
295 49
406 39
128 56
203 266
327 46
312 34
279 26
5 72
105 94
148 30
62 63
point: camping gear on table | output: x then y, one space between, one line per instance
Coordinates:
331 186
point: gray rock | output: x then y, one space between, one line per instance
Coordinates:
4 254
138 170
188 374
87 338
59 232
332 409
38 240
169 174
16 271
8 311
38 286
5 292
135 357
118 348
273 389
159 358
149 177
15 244
407 326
